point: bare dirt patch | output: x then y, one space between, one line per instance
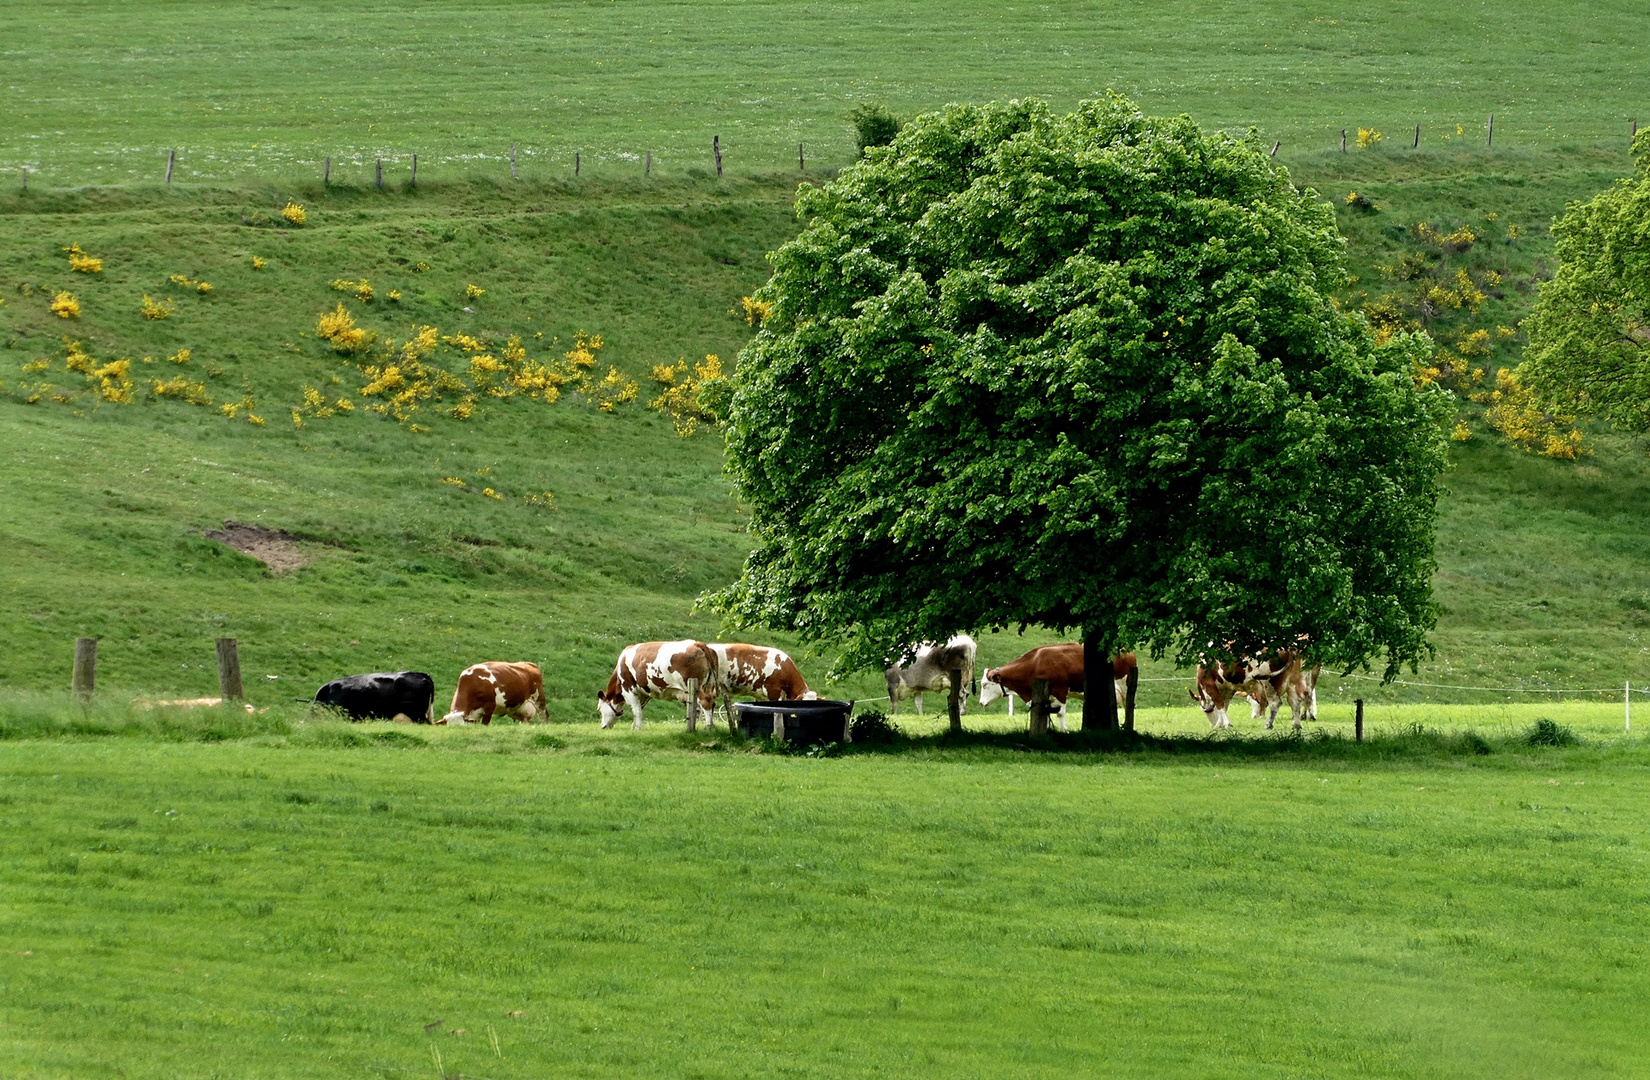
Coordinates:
275 548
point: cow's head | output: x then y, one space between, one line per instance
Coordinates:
990 688
1212 698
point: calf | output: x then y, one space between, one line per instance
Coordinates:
658 669
497 686
757 671
931 670
407 697
1062 666
1268 682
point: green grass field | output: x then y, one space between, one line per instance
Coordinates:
96 95
608 904
273 894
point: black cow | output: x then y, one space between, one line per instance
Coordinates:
408 696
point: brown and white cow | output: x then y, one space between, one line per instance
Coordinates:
1062 666
758 671
1267 682
930 671
658 669
497 686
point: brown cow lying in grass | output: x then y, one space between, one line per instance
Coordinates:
497 686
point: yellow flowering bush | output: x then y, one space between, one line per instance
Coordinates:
338 328
244 407
154 310
293 213
473 291
394 296
203 287
1514 411
179 357
491 494
65 306
680 396
180 388
181 280
1462 432
82 263
1368 137
544 499
258 263
752 310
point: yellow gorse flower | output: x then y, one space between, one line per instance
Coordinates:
293 213
153 310
65 306
82 263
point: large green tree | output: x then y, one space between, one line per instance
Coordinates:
1589 348
1079 371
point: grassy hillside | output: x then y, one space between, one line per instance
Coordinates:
1543 567
95 95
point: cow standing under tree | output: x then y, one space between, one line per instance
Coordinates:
930 671
1268 682
1063 668
516 689
757 671
658 669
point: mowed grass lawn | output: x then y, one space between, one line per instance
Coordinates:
614 904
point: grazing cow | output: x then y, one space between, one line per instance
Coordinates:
497 686
1062 666
658 669
407 697
757 671
1267 683
931 671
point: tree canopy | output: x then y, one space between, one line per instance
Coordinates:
1589 349
1079 371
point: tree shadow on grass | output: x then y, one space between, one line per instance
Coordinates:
1414 743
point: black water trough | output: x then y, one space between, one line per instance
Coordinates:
805 722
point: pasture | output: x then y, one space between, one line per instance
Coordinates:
254 92
309 898
217 892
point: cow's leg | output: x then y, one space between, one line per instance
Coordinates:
918 696
1010 697
637 701
1062 714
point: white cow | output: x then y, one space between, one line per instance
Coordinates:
931 671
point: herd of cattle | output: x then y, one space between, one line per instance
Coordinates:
673 670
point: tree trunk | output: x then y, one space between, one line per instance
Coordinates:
1099 699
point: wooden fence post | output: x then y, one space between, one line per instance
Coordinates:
647 169
1358 720
326 172
1343 140
415 171
1489 140
1417 145
1275 147
85 667
171 160
953 703
693 705
380 174
801 162
229 670
1131 683
575 163
716 151
25 178
1630 141
512 161
1039 707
